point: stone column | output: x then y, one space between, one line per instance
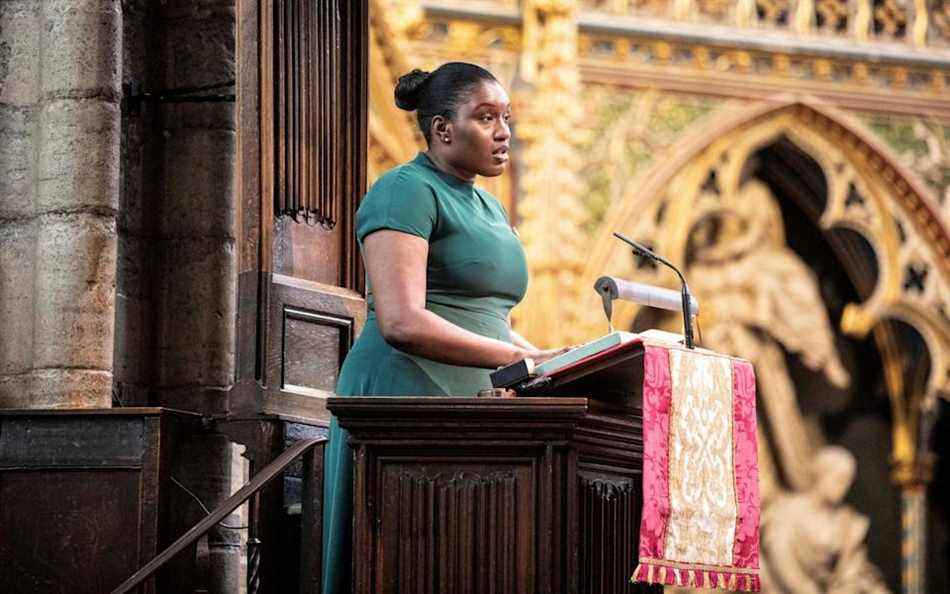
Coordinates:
914 539
914 463
77 188
195 258
195 263
19 96
550 207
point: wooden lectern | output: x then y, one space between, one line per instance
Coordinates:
480 495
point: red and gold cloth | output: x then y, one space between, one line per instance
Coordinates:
700 522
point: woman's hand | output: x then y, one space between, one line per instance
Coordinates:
540 356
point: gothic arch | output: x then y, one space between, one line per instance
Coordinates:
897 217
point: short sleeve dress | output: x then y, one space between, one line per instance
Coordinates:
475 273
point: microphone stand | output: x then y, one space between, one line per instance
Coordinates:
644 251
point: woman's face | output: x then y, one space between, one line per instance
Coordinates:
479 134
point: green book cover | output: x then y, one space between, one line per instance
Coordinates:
585 350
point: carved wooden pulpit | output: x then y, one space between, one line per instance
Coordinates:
506 495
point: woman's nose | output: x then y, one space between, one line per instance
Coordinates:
502 131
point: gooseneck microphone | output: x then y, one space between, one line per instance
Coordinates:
688 304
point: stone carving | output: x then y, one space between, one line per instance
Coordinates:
814 543
917 21
923 145
753 280
832 16
761 300
550 210
774 12
890 18
941 24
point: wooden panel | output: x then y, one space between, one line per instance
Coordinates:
303 360
73 526
456 528
308 89
354 70
82 496
314 348
308 252
431 482
609 524
43 442
319 78
250 97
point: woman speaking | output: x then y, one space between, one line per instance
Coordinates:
444 269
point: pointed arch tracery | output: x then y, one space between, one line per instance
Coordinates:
868 192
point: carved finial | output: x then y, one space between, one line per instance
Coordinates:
804 16
682 9
862 20
746 14
921 23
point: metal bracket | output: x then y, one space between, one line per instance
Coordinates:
133 95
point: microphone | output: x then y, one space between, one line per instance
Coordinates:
686 299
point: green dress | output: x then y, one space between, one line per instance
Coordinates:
475 274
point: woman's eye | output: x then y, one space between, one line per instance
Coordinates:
487 117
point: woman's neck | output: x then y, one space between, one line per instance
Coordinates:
443 165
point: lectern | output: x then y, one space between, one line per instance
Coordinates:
501 495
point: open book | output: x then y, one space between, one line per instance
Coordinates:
591 356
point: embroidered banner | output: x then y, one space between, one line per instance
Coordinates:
700 522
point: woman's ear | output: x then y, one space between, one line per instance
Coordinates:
441 128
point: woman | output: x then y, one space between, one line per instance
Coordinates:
444 269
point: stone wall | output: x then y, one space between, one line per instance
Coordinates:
59 182
141 153
118 268
195 266
117 259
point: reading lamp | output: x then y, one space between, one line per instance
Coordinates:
610 288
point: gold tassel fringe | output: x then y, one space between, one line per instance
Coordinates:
692 578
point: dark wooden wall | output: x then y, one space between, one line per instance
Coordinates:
305 83
85 496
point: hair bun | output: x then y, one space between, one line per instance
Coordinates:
409 88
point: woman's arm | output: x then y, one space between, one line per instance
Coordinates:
396 264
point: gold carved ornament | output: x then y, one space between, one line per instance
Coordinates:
886 215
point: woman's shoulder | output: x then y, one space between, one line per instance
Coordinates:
408 175
402 184
400 200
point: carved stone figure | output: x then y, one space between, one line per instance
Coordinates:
814 543
763 301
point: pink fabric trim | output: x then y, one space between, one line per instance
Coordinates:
657 396
659 573
746 549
